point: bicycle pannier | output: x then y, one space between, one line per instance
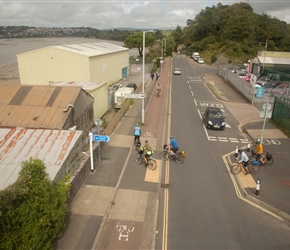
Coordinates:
268 156
255 163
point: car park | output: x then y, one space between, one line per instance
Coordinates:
213 118
132 85
200 60
263 79
177 71
281 90
269 86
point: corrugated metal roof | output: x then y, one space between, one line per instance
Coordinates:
274 60
19 144
92 49
35 106
88 86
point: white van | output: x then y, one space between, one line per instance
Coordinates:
120 96
195 55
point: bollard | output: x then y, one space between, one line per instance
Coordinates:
258 138
258 187
236 153
249 146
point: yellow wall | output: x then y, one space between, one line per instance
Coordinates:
49 65
108 68
100 96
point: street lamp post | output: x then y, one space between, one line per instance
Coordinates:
264 55
143 80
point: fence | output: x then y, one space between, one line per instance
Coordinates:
281 113
244 87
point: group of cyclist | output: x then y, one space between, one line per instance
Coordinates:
243 159
147 149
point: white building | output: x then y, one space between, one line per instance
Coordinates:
91 62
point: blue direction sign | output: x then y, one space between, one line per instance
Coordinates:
102 138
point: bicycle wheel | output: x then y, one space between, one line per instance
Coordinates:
164 155
139 158
152 164
235 169
254 168
179 159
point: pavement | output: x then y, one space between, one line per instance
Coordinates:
116 208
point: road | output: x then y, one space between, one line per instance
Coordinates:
204 210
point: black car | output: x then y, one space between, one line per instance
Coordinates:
214 118
269 86
132 85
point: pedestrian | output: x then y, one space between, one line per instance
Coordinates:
151 76
137 134
157 76
158 89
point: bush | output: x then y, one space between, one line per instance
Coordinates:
33 210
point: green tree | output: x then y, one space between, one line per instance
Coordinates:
136 41
33 210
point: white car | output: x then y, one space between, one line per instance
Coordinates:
200 60
177 71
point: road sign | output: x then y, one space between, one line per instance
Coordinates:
268 114
140 96
102 138
267 106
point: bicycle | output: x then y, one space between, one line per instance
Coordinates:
137 145
157 93
267 158
150 160
236 168
178 157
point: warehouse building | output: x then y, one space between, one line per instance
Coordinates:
91 62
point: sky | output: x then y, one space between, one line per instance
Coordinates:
110 14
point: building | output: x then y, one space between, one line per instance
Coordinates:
98 91
46 107
91 62
273 64
58 149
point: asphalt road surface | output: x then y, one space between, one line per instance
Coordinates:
204 211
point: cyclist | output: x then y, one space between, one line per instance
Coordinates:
259 152
173 144
147 152
243 159
137 133
158 87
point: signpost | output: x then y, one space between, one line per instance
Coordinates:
101 138
137 96
266 108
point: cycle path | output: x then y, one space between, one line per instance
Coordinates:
116 207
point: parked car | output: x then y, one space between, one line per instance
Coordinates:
263 79
132 85
200 60
241 74
177 71
280 90
214 118
195 55
269 86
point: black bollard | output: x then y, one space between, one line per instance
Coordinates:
258 187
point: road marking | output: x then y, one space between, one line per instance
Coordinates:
238 189
124 231
153 175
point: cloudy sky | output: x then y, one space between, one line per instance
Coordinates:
103 14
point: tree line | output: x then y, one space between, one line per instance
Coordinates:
234 31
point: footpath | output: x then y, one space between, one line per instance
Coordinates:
117 206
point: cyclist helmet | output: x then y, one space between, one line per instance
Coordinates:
170 136
258 142
146 141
